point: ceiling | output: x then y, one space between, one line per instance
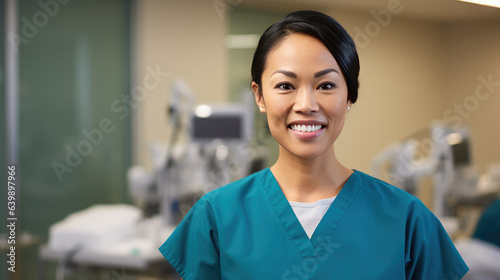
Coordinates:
434 10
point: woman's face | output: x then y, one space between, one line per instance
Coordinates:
304 95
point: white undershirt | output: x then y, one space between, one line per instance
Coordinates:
310 214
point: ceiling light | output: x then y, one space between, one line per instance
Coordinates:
454 138
203 111
242 41
491 3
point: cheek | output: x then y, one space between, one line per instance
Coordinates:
274 125
338 108
275 108
275 116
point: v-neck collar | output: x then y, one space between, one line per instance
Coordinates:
311 248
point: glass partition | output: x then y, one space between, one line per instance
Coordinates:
74 148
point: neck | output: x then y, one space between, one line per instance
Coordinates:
310 179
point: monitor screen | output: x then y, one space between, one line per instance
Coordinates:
461 153
227 126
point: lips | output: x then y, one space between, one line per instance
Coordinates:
307 129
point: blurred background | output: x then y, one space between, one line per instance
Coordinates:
101 103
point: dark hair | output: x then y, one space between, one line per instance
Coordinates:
321 27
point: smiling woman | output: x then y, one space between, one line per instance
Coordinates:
303 86
308 216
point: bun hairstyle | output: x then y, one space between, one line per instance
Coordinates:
320 26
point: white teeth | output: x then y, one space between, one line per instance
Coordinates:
305 128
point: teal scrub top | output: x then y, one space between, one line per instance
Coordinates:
488 227
248 230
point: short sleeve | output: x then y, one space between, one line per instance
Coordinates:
430 253
193 248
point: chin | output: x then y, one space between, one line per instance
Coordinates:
305 153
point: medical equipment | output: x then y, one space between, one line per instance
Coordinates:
219 151
209 146
223 132
444 154
221 121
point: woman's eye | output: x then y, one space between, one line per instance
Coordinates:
284 86
326 86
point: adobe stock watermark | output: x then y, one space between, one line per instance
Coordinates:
483 91
224 6
31 27
381 19
94 137
310 265
453 117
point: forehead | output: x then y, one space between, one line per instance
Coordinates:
299 52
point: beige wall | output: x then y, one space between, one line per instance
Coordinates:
401 86
412 71
185 39
473 51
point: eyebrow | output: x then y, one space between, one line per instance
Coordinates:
286 72
316 75
324 72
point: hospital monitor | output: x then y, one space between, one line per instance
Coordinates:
459 142
226 122
461 153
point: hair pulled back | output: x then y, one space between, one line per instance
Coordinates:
320 26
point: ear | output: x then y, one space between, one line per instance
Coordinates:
349 106
259 99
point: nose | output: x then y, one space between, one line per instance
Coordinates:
305 102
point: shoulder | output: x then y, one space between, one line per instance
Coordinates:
377 188
429 251
392 199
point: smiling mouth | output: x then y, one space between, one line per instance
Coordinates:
305 128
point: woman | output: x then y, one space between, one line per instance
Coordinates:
308 216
